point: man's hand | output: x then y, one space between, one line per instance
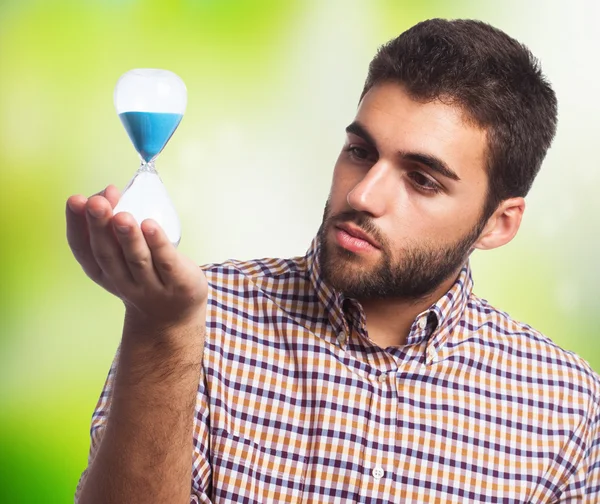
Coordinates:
159 286
145 453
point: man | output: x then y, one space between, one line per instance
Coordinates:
367 370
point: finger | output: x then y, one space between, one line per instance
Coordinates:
112 194
164 254
138 257
78 236
77 202
105 248
78 233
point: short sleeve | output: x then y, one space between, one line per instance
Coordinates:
584 485
201 467
592 486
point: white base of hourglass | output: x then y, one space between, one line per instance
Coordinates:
145 197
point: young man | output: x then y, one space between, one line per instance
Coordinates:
367 370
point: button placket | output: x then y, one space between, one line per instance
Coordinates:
377 472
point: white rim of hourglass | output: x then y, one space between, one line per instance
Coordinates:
150 90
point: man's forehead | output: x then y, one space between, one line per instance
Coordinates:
392 100
397 121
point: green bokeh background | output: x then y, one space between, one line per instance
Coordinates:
271 85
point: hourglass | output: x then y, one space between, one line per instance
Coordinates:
150 104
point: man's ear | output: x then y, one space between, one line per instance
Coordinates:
503 225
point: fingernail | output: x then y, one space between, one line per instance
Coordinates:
96 212
122 229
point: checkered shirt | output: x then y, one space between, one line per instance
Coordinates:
297 404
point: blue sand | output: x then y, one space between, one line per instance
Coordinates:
149 131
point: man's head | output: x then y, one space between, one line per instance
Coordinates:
453 124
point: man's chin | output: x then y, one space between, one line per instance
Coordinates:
344 269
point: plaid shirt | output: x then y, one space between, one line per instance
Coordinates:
297 404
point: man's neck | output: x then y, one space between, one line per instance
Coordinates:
389 320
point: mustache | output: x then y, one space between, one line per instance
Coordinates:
362 221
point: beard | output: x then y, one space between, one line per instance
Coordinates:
419 272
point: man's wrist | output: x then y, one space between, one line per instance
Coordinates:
165 336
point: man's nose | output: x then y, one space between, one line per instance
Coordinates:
374 192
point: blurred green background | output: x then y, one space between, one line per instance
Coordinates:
271 86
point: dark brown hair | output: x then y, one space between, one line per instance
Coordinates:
496 81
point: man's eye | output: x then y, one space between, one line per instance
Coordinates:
424 183
358 153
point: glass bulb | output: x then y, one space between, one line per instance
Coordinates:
150 104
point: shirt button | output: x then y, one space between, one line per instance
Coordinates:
341 338
423 323
378 473
382 378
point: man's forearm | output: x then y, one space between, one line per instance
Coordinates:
146 452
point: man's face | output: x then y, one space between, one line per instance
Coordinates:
406 199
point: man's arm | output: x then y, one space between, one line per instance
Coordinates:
146 451
145 454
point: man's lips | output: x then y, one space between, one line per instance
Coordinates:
356 232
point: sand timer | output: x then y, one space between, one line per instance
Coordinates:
150 104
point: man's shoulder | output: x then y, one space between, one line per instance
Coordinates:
270 267
273 277
528 348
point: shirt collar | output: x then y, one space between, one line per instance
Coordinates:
436 323
449 310
331 299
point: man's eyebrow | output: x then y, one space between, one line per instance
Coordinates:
432 162
359 130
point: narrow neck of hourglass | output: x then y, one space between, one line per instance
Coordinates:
147 166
